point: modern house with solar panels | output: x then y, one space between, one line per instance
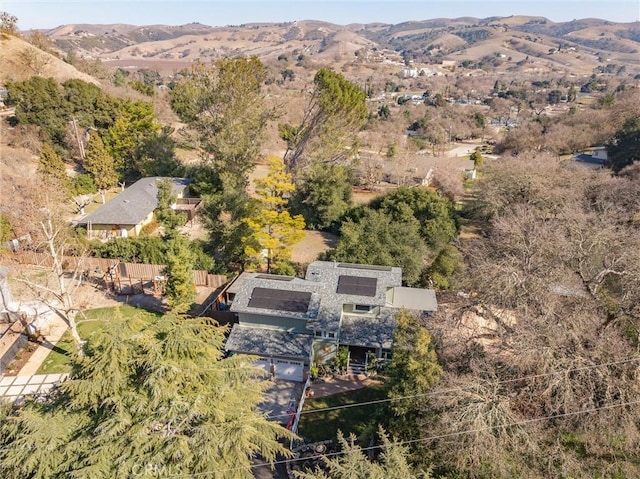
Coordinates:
292 323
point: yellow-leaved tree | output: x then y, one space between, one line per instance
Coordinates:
273 230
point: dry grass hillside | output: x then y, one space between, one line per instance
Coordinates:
21 60
580 46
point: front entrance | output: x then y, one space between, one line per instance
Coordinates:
359 359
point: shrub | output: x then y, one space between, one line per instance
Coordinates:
83 185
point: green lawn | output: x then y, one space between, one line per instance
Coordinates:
97 200
359 420
59 360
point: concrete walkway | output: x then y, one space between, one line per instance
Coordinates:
52 335
12 388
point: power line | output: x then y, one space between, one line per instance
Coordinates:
417 440
430 393
438 392
458 389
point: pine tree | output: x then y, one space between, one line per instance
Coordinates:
327 134
180 289
354 463
52 168
477 159
414 369
164 213
99 164
224 103
160 401
273 228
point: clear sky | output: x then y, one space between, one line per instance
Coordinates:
52 13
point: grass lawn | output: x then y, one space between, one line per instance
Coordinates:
97 200
59 359
359 420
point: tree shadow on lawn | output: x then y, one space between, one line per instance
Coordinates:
361 420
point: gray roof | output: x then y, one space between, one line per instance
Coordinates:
269 342
134 204
325 310
368 331
585 158
417 299
245 284
325 307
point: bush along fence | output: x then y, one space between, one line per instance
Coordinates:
123 278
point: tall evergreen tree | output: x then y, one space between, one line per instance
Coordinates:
353 463
327 133
164 213
99 163
52 168
180 289
414 369
161 401
223 102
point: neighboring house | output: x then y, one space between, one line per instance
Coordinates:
126 214
293 323
594 158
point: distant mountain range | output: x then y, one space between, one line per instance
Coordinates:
579 45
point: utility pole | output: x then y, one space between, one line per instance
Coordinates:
74 122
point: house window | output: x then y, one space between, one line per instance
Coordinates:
318 334
362 308
332 335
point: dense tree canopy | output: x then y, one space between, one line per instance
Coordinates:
323 194
542 375
65 112
624 149
159 398
39 101
223 102
376 238
435 213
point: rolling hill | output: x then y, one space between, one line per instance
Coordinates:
21 60
578 46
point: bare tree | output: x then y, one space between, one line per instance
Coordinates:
541 365
41 214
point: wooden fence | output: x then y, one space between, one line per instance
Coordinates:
138 272
69 263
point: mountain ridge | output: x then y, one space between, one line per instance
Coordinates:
426 41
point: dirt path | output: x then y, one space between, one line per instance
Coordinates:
314 243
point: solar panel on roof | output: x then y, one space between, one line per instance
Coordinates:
364 266
357 285
280 300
